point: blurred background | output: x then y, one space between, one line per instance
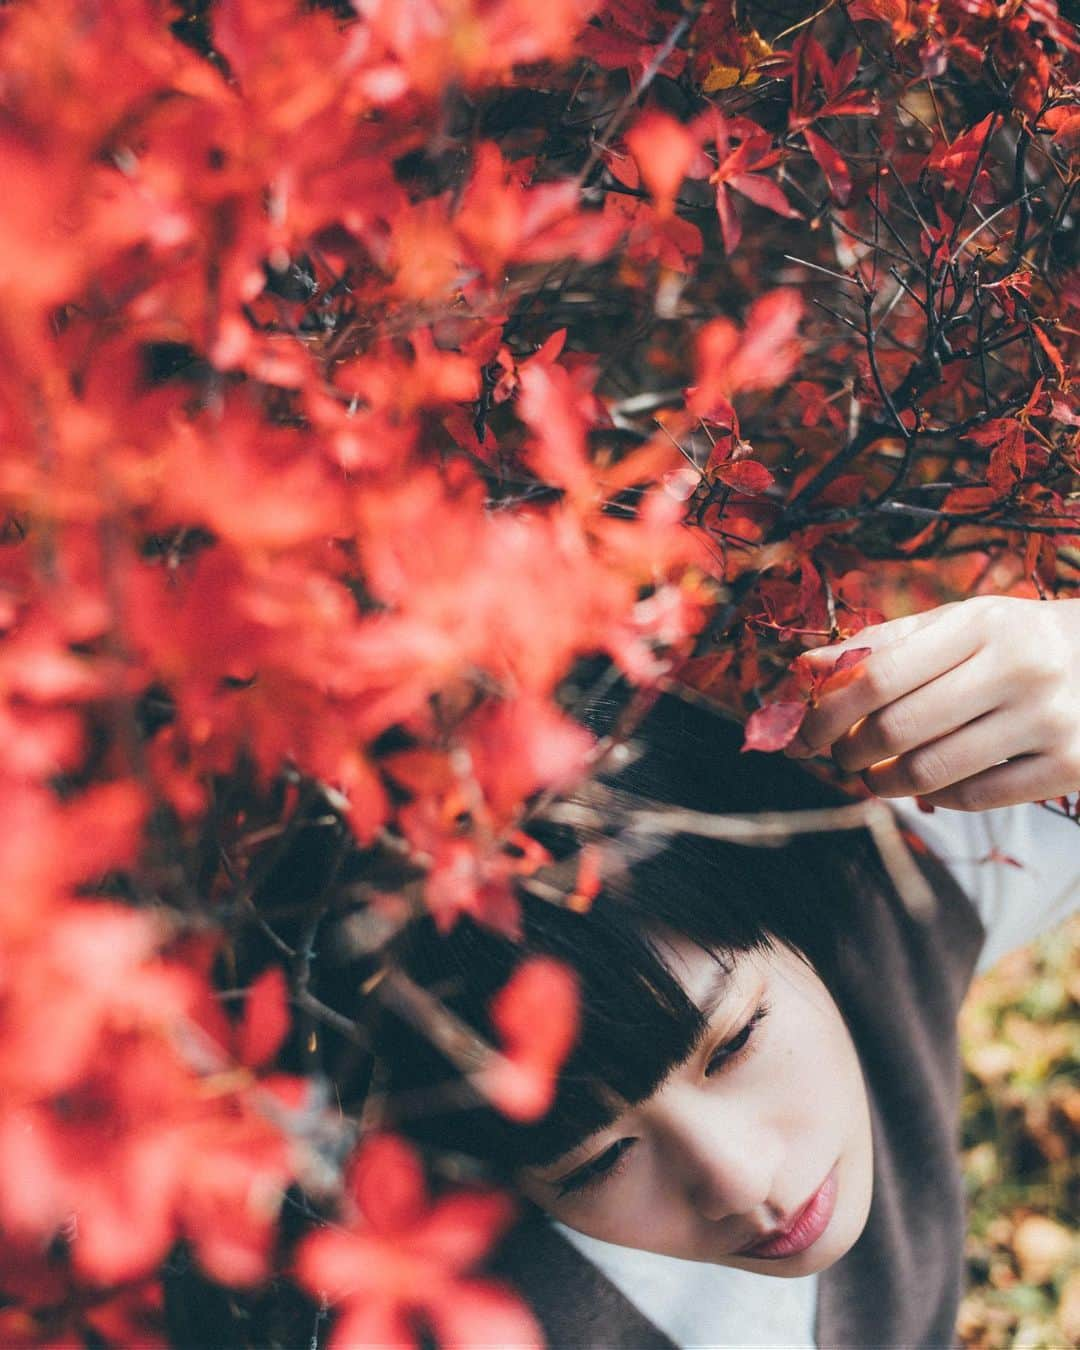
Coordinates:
1020 1037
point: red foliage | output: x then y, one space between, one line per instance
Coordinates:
365 378
535 1015
404 1258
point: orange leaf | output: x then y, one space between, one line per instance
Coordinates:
1051 350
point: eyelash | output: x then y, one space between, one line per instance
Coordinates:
610 1163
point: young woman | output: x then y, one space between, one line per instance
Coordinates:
753 1142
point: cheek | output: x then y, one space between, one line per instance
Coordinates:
818 1080
835 1114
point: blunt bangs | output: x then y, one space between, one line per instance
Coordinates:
637 1023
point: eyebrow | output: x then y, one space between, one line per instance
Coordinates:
711 997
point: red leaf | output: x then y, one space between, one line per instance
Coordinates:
842 672
846 490
536 1017
1061 411
730 224
1008 457
852 657
831 164
521 745
745 475
386 1180
483 1312
266 1019
773 727
402 1257
548 403
664 151
887 11
760 357
1065 123
766 193
956 162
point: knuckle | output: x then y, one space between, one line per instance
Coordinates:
984 613
925 769
881 672
968 796
1042 662
1059 722
993 619
993 606
846 754
1043 657
1071 757
1055 661
1001 608
893 728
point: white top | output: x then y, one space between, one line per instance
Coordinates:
702 1305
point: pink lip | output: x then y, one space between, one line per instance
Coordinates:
805 1228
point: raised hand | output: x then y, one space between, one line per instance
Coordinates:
972 705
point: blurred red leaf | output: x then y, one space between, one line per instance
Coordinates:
386 1180
550 406
831 164
521 745
761 356
403 1256
536 1017
773 726
266 1018
664 150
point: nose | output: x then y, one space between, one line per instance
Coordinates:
727 1157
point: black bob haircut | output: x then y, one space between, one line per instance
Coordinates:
637 1022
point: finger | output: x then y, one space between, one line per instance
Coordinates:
1028 778
939 764
887 674
944 705
879 634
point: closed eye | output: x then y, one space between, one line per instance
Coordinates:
608 1163
601 1167
730 1051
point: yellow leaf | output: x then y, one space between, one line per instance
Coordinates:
721 77
754 49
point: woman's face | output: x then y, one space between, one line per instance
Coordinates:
755 1153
